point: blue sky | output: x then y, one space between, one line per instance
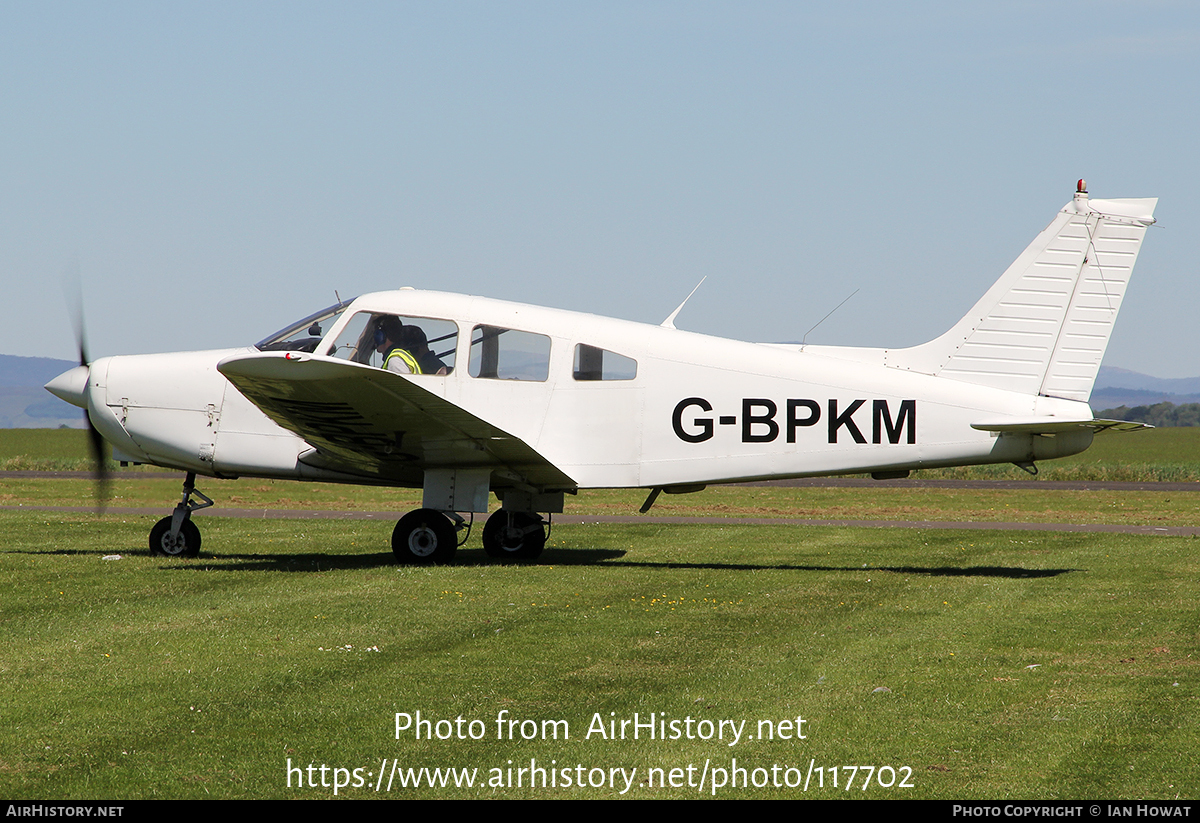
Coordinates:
217 170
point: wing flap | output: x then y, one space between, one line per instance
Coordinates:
380 423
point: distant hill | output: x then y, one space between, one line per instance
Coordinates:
1126 379
24 404
1122 387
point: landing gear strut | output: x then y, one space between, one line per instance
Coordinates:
514 535
177 535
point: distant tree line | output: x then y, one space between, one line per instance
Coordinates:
1160 414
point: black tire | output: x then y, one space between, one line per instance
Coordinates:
187 545
523 540
424 536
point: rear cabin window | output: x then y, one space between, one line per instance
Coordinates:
592 363
357 341
507 354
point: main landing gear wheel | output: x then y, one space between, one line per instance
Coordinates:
424 536
514 535
187 544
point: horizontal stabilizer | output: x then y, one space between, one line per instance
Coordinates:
1053 425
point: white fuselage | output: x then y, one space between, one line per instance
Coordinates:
699 409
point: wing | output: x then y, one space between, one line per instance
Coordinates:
379 423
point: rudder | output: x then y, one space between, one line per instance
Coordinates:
1043 327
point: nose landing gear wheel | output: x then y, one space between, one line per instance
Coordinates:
424 536
514 535
187 544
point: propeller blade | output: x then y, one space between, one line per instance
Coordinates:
99 465
73 288
72 285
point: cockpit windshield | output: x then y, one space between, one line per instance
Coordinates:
304 335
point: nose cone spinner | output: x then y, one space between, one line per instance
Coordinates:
71 386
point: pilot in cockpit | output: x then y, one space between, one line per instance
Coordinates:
405 347
394 341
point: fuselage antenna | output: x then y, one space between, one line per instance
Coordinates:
669 323
826 317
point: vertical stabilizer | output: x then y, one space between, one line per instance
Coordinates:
1043 327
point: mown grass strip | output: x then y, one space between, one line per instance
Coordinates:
996 665
1152 508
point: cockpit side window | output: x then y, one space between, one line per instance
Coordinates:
507 354
363 341
304 335
592 363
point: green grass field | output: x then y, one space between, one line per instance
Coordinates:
1151 456
886 503
982 664
51 449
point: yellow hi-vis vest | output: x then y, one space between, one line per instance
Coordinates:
404 357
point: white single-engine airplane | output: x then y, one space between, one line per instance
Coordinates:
533 403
